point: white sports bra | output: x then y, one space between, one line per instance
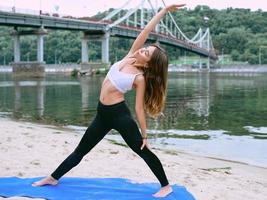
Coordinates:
121 80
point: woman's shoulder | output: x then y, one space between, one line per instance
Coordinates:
139 79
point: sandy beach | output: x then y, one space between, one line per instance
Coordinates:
30 150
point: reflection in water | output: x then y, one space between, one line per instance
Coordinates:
194 98
89 89
40 98
39 90
200 103
17 101
84 83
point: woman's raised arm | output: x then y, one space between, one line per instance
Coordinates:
140 40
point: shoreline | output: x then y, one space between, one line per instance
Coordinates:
169 150
223 157
26 152
239 69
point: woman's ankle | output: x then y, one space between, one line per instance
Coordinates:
51 178
166 186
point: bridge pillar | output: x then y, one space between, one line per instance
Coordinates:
16 39
105 47
40 43
40 48
30 69
85 58
87 67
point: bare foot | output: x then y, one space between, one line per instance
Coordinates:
46 181
163 192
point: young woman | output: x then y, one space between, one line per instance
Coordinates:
144 69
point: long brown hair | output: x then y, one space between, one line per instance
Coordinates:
156 82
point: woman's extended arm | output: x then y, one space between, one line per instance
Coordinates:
139 104
140 40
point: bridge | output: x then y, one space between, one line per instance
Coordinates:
121 22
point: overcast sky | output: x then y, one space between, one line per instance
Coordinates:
91 7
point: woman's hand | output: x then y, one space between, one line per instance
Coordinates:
145 143
140 40
174 7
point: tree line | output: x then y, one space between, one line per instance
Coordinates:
240 33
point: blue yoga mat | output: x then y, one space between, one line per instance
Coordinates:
88 189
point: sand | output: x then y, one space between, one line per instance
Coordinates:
30 150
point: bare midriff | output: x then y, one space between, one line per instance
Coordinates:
109 94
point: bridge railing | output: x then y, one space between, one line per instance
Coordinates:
33 12
19 10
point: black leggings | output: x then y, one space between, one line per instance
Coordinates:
118 117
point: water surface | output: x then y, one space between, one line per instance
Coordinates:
220 115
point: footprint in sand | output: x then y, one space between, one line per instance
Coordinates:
35 162
114 152
29 127
29 146
20 174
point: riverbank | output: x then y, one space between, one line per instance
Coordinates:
220 69
29 150
68 68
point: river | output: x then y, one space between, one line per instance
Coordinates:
211 114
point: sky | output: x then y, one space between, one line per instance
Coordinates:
91 7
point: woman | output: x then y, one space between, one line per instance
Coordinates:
144 69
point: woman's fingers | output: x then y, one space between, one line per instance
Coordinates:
174 7
143 145
181 5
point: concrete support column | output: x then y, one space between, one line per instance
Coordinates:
40 48
85 57
105 48
16 47
33 68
